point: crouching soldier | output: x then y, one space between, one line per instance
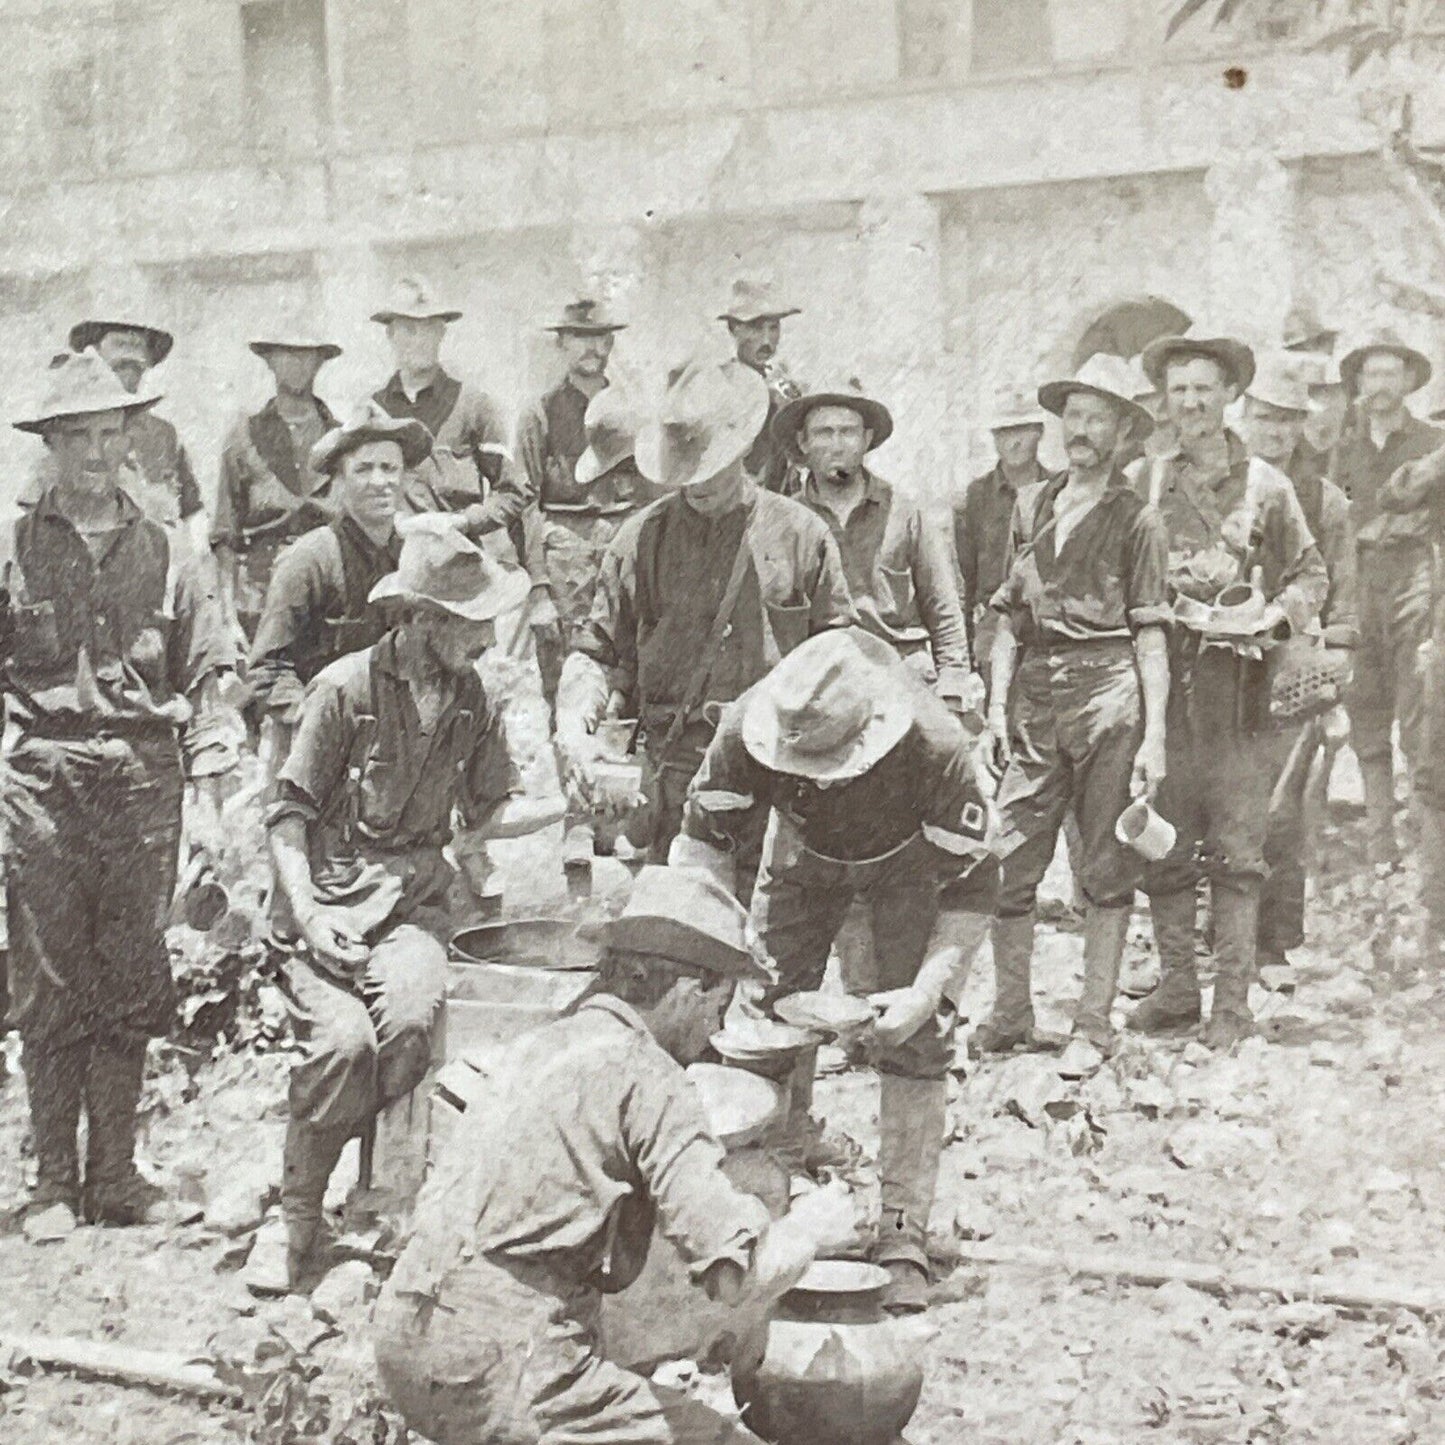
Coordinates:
869 791
487 1329
395 745
111 641
1080 686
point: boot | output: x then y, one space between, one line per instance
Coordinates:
1236 926
1378 778
912 1117
1010 1023
54 1082
1104 932
279 1258
115 1190
807 1145
1173 1006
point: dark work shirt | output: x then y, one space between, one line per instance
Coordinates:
898 571
983 520
550 439
926 781
662 579
1109 579
1362 468
116 639
316 608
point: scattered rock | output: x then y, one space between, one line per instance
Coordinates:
48 1226
974 1220
241 1205
343 1293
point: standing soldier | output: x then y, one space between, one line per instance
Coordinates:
699 595
983 519
754 315
1277 405
867 788
898 568
111 645
572 520
1081 685
1310 352
394 743
159 476
316 605
1229 518
1396 572
268 491
469 474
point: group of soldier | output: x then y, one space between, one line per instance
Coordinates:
856 735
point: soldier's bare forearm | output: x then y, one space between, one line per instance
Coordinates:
1151 652
520 817
1001 665
292 865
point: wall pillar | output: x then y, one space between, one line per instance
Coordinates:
904 358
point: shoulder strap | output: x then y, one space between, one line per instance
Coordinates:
697 683
1157 468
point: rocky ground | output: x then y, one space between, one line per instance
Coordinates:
1306 1162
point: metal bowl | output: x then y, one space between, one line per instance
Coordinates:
741 1107
754 1040
554 943
841 1276
836 1015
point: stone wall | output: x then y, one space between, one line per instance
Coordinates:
942 228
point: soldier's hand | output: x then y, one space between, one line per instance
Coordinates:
902 1012
332 937
997 754
616 702
1149 768
827 1216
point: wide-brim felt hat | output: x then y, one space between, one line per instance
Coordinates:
830 709
81 384
1392 345
756 301
1105 375
441 569
295 341
611 424
709 417
372 423
85 334
1305 332
1236 359
413 299
1281 383
786 425
1014 406
684 915
585 317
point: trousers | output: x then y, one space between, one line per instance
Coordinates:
370 1044
1395 585
508 1355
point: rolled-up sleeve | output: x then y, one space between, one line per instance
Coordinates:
491 776
315 768
1147 575
508 497
699 1209
933 580
951 801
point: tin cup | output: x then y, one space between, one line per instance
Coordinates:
1142 829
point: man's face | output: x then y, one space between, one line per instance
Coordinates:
456 643
1093 430
1274 432
757 341
416 345
1384 382
834 441
1018 446
369 482
128 354
295 371
1196 393
717 493
689 1014
586 355
88 450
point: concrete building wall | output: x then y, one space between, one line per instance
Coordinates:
947 187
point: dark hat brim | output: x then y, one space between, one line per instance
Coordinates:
87 333
772 314
681 944
790 418
411 435
326 350
1234 357
585 328
1054 395
389 314
1352 362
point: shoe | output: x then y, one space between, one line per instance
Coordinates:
1166 1012
132 1202
990 1038
1174 1005
907 1291
1225 1029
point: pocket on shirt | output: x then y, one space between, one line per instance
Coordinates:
788 624
377 787
34 635
897 593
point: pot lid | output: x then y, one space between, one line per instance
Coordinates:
841 1276
761 1039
